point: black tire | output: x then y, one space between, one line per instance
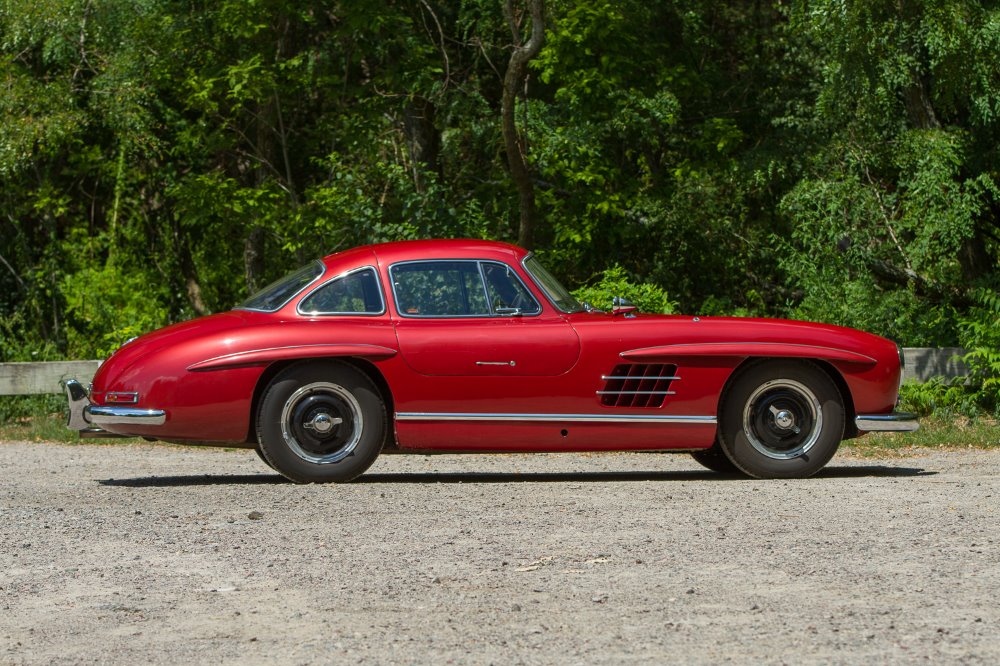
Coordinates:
321 422
260 454
715 459
781 419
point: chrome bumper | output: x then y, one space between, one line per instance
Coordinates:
895 422
88 419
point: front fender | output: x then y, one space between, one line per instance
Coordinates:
745 350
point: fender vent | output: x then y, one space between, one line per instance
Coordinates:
637 385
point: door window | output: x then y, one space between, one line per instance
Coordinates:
460 289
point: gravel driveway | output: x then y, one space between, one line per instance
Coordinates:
162 554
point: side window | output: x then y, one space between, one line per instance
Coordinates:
506 292
439 289
354 293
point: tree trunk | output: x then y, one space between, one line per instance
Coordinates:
513 81
423 139
253 258
918 104
190 273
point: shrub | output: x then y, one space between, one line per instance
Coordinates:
615 282
980 334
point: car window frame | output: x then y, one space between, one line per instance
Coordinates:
341 276
482 279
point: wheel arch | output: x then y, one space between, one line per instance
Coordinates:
363 365
850 429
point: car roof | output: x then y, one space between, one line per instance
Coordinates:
464 248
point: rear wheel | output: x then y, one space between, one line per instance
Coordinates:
321 422
781 419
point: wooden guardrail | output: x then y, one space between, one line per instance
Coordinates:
922 363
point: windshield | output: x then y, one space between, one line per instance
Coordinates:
560 297
277 294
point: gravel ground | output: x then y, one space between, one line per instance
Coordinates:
161 554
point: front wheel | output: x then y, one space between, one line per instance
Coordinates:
781 419
715 459
321 422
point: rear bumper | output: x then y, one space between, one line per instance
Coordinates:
88 419
895 422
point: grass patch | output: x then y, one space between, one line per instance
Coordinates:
42 423
936 432
52 428
42 418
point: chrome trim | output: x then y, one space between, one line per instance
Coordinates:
76 396
509 363
85 417
895 422
564 418
636 393
482 278
340 276
123 415
607 377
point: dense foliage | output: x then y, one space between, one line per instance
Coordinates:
823 160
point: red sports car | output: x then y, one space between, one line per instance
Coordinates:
473 346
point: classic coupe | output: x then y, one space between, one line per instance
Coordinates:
464 346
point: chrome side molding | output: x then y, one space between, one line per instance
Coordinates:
559 418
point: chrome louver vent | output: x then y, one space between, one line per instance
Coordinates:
637 385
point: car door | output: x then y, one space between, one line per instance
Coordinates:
476 318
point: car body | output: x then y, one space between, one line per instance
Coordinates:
472 346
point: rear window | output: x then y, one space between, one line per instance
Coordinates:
275 295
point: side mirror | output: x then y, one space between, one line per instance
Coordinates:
622 306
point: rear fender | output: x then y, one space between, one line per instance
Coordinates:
292 353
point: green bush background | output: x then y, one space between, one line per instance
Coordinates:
831 161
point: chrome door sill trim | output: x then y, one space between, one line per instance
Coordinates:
559 418
636 393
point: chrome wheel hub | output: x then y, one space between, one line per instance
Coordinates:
323 422
783 418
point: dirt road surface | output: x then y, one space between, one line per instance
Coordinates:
165 555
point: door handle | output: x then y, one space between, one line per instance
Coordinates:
510 363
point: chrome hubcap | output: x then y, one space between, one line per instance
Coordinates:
782 419
322 423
